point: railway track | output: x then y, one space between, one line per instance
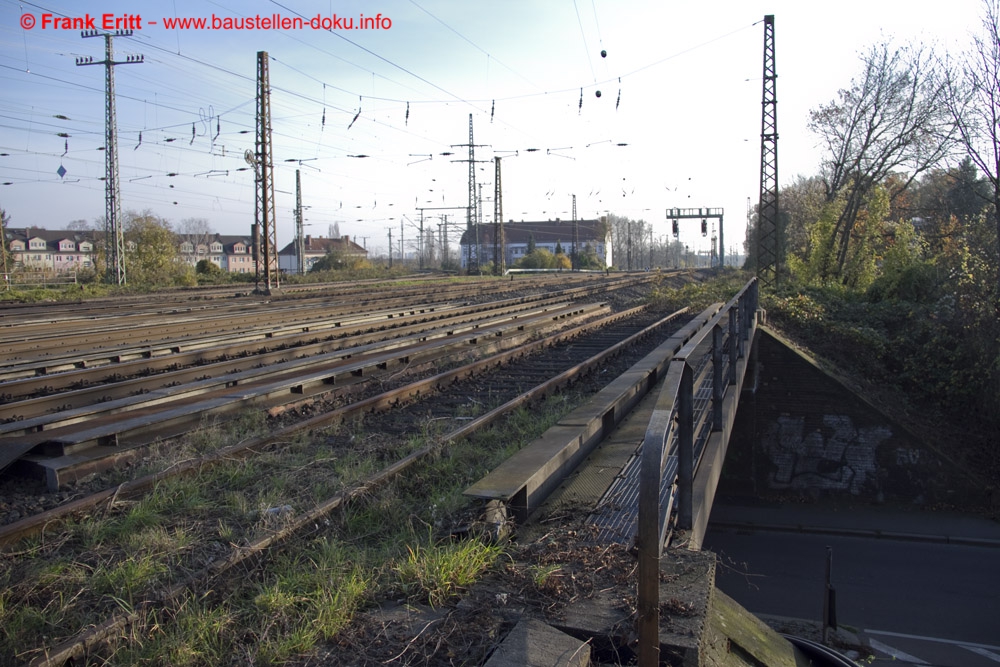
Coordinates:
207 299
124 303
56 332
71 415
440 408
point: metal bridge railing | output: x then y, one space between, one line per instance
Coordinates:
691 406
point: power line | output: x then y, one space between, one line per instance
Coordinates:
382 58
473 44
583 37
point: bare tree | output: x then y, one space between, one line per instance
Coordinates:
630 241
892 119
974 103
196 230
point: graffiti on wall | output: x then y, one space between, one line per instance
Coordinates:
832 456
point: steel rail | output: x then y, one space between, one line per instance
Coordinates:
139 420
91 638
171 332
55 314
127 419
34 525
84 386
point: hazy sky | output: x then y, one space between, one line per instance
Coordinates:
677 122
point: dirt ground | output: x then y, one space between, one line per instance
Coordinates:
539 579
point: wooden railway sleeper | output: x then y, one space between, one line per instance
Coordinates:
142 421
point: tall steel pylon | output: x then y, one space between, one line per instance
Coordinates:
114 237
300 241
471 217
3 253
471 223
499 247
267 266
767 236
574 264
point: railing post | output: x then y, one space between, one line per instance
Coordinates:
649 536
718 388
744 319
676 404
734 344
685 450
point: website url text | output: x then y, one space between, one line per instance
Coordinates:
257 22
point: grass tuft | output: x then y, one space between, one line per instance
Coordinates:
439 572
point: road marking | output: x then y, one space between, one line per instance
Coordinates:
895 653
995 657
939 640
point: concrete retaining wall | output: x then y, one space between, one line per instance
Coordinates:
804 434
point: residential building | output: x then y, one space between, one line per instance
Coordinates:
47 250
317 247
230 253
517 236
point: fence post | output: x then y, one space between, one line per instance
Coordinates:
685 450
734 343
718 388
649 536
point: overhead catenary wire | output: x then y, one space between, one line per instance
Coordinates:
489 56
292 123
586 48
492 111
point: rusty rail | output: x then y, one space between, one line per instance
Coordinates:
92 637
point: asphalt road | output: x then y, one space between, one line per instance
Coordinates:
924 603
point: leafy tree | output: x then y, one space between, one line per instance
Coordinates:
151 259
588 259
973 101
7 260
891 119
946 200
816 263
537 259
860 267
337 260
907 273
969 194
206 267
209 272
331 261
531 243
802 202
